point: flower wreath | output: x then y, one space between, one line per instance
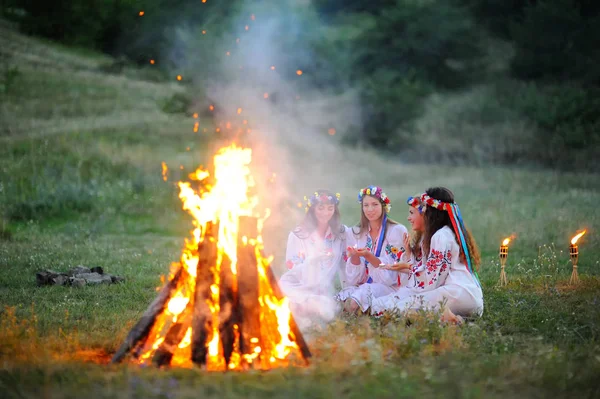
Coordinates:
321 198
377 192
424 200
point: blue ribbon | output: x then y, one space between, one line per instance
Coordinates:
461 225
379 244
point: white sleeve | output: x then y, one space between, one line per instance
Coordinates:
433 271
355 274
294 252
390 253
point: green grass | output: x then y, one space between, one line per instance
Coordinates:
81 184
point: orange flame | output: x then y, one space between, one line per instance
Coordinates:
577 237
506 241
165 171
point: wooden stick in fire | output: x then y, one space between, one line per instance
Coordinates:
293 326
228 316
248 289
144 325
164 353
202 317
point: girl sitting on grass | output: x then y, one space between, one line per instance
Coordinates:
315 257
442 266
376 240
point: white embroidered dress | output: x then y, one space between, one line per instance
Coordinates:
442 278
366 281
314 264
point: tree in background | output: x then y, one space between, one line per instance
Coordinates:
400 52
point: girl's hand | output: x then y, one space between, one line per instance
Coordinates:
351 251
406 243
363 251
397 267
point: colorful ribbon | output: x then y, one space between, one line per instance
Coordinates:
379 246
459 228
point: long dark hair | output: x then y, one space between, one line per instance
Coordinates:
363 224
309 224
435 219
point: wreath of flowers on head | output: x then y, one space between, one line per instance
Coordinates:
422 201
377 192
321 198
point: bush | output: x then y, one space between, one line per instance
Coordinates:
400 52
558 39
568 125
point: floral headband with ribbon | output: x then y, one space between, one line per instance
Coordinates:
377 192
423 201
321 198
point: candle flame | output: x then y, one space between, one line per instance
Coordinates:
577 237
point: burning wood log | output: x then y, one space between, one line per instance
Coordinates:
164 353
249 306
228 314
294 329
144 325
202 321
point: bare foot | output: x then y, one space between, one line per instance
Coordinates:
449 317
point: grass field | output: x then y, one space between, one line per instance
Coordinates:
81 184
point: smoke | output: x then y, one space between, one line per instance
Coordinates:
258 74
258 77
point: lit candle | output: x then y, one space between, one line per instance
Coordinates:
574 252
503 255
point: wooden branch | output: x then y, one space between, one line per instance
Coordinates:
175 335
248 292
228 309
202 317
144 325
293 326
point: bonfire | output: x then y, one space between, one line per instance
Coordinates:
221 307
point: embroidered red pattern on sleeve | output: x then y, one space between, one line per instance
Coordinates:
438 263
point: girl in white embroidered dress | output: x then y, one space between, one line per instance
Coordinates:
315 257
442 278
375 240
